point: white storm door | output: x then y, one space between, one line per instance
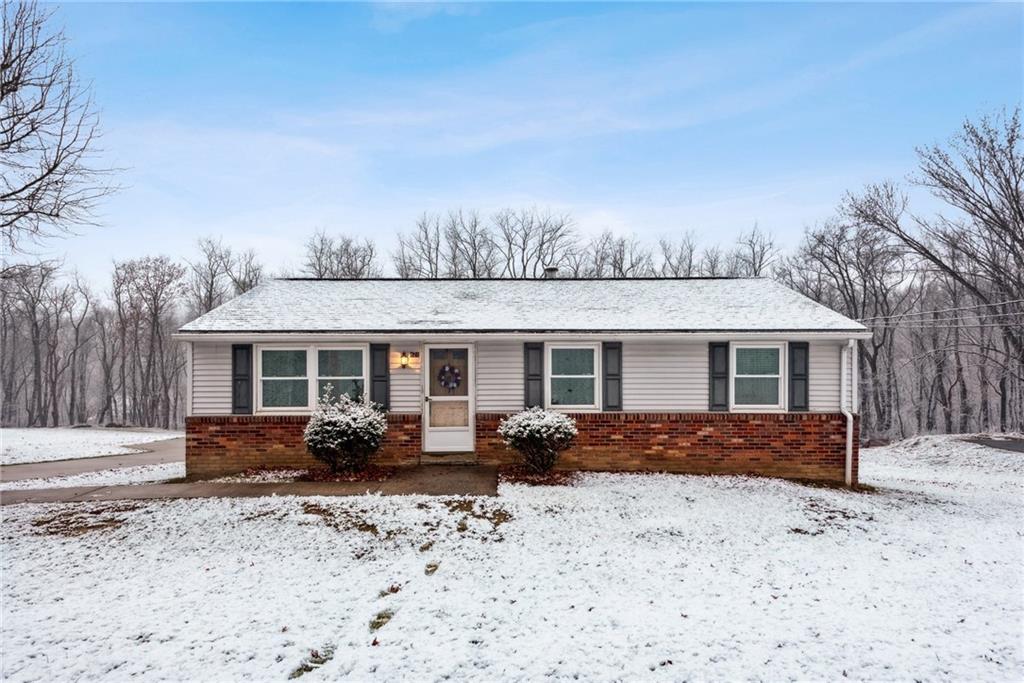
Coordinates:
448 399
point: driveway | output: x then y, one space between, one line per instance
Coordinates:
1007 444
154 453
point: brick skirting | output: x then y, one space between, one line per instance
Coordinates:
790 445
217 445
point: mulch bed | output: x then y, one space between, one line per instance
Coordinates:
518 474
371 473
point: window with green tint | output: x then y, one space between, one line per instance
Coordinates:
283 378
757 377
757 361
352 387
573 378
572 391
753 391
343 370
283 363
285 393
572 361
340 363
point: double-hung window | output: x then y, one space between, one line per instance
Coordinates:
572 376
284 383
293 379
343 370
757 376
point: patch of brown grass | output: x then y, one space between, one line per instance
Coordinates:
370 473
518 474
75 521
315 660
382 618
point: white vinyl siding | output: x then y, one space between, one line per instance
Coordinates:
499 376
406 384
211 379
657 376
664 376
823 392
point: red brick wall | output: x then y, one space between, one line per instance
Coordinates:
217 445
790 445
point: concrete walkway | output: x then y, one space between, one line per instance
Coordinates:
154 453
436 480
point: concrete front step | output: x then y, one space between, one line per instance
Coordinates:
447 458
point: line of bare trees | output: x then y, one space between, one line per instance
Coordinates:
943 295
73 355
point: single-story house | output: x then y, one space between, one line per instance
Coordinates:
700 375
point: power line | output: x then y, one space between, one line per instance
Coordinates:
987 316
950 327
943 310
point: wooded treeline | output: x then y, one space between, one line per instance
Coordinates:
942 293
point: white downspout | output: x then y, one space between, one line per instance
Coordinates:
845 367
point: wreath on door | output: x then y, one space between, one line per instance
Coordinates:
449 378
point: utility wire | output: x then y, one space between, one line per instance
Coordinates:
929 321
943 310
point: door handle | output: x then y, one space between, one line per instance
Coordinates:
427 399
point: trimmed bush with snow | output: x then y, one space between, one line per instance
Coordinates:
344 433
538 435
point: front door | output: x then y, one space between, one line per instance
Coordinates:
448 407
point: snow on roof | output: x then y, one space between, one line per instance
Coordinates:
552 305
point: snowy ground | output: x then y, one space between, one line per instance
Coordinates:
143 474
620 576
44 444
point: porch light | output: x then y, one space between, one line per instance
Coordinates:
404 359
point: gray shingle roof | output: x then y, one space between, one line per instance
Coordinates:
557 305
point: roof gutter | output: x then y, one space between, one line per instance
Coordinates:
470 335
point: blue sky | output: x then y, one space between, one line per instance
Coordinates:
263 122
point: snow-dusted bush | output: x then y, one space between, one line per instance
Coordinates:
538 435
344 433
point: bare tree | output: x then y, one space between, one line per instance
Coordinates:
208 279
530 240
678 259
341 257
755 253
469 249
712 262
419 254
48 132
981 246
243 270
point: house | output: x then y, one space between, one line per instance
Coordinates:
702 375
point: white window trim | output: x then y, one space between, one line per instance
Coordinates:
780 407
311 374
585 408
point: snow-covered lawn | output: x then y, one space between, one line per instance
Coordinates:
143 474
60 443
618 577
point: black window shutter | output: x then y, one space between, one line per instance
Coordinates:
380 375
611 371
718 364
799 375
533 372
241 379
